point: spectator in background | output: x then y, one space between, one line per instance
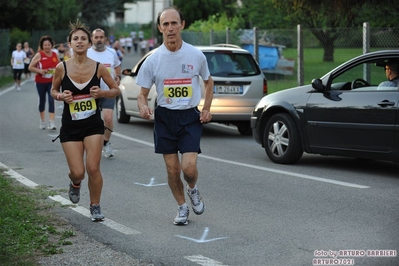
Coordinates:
67 54
150 44
17 63
129 43
122 43
111 39
29 55
143 46
119 50
134 38
61 51
43 64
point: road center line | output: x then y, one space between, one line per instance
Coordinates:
309 177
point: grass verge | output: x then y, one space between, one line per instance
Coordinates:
29 226
6 81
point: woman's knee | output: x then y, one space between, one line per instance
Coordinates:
93 170
77 174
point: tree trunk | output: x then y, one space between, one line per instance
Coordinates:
328 47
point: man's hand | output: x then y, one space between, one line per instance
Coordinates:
146 112
205 116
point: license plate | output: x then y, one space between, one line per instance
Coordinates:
228 90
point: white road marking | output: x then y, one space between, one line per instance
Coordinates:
309 177
85 212
151 184
201 260
203 237
20 178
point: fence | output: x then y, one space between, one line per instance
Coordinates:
309 52
312 52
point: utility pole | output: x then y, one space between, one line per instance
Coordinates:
153 20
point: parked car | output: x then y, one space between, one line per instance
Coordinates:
343 113
239 85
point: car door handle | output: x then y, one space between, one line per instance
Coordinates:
386 103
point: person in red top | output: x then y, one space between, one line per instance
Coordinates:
43 64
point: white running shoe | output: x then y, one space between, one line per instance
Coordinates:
196 201
42 125
107 150
51 125
182 215
18 88
96 214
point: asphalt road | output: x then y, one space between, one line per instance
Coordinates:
257 212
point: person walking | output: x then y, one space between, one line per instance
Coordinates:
43 64
29 55
129 43
122 43
17 63
108 57
175 68
119 50
143 46
77 83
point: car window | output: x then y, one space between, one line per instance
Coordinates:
228 64
362 77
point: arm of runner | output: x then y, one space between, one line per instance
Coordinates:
142 104
205 115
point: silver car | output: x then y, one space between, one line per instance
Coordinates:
239 85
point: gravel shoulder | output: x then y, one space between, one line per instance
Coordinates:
87 251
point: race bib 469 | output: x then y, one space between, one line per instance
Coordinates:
82 107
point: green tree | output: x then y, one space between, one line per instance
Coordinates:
379 14
263 15
194 10
94 13
327 20
38 15
218 22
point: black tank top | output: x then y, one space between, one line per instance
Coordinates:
82 105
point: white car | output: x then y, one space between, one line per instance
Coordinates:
239 85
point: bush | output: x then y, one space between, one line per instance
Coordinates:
16 36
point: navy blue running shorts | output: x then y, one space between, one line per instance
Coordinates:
177 130
78 134
107 103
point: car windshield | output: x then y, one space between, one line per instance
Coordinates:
228 64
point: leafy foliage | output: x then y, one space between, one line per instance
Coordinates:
45 14
95 12
218 22
195 10
263 15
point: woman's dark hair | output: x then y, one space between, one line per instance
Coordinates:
45 38
78 25
170 8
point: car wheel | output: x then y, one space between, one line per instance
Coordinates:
121 115
281 140
244 128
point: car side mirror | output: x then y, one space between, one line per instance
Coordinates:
127 72
317 85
